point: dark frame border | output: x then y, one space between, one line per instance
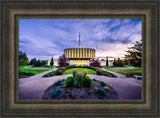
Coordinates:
10 109
83 16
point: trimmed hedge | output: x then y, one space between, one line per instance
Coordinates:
61 70
25 73
100 92
87 81
69 81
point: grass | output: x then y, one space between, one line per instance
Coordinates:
35 70
89 71
126 70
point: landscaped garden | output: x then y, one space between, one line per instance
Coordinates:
127 70
80 86
89 71
68 70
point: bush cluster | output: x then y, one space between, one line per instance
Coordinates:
49 74
107 88
79 79
59 82
57 92
96 63
61 70
38 63
87 81
100 92
99 72
103 84
25 73
69 81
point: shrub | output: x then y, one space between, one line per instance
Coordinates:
96 63
107 88
63 68
25 73
87 81
94 80
30 74
107 74
57 83
84 73
103 84
101 92
59 72
49 74
62 61
57 92
69 81
99 81
74 72
99 72
78 82
78 78
37 63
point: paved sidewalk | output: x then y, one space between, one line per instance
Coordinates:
34 78
33 87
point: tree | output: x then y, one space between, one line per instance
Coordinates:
114 62
38 63
62 61
134 54
96 63
119 63
106 61
43 63
23 59
33 61
52 62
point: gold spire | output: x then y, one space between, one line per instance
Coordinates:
79 41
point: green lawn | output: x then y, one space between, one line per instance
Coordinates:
35 70
89 71
126 70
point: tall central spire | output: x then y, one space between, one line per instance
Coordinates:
79 41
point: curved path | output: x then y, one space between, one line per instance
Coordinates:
33 87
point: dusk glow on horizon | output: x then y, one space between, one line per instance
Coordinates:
46 38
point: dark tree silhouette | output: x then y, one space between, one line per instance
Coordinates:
52 62
134 54
96 63
23 59
62 61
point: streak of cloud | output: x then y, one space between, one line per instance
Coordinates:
44 38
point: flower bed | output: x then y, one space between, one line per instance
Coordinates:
80 86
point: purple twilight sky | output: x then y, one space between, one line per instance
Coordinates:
44 38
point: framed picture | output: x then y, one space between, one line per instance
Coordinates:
42 42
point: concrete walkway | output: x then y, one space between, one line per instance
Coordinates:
33 87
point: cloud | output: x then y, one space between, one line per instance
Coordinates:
44 38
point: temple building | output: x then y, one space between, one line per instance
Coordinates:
80 56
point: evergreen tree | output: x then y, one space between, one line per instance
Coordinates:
106 61
119 63
114 62
52 62
38 63
134 54
23 59
33 61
